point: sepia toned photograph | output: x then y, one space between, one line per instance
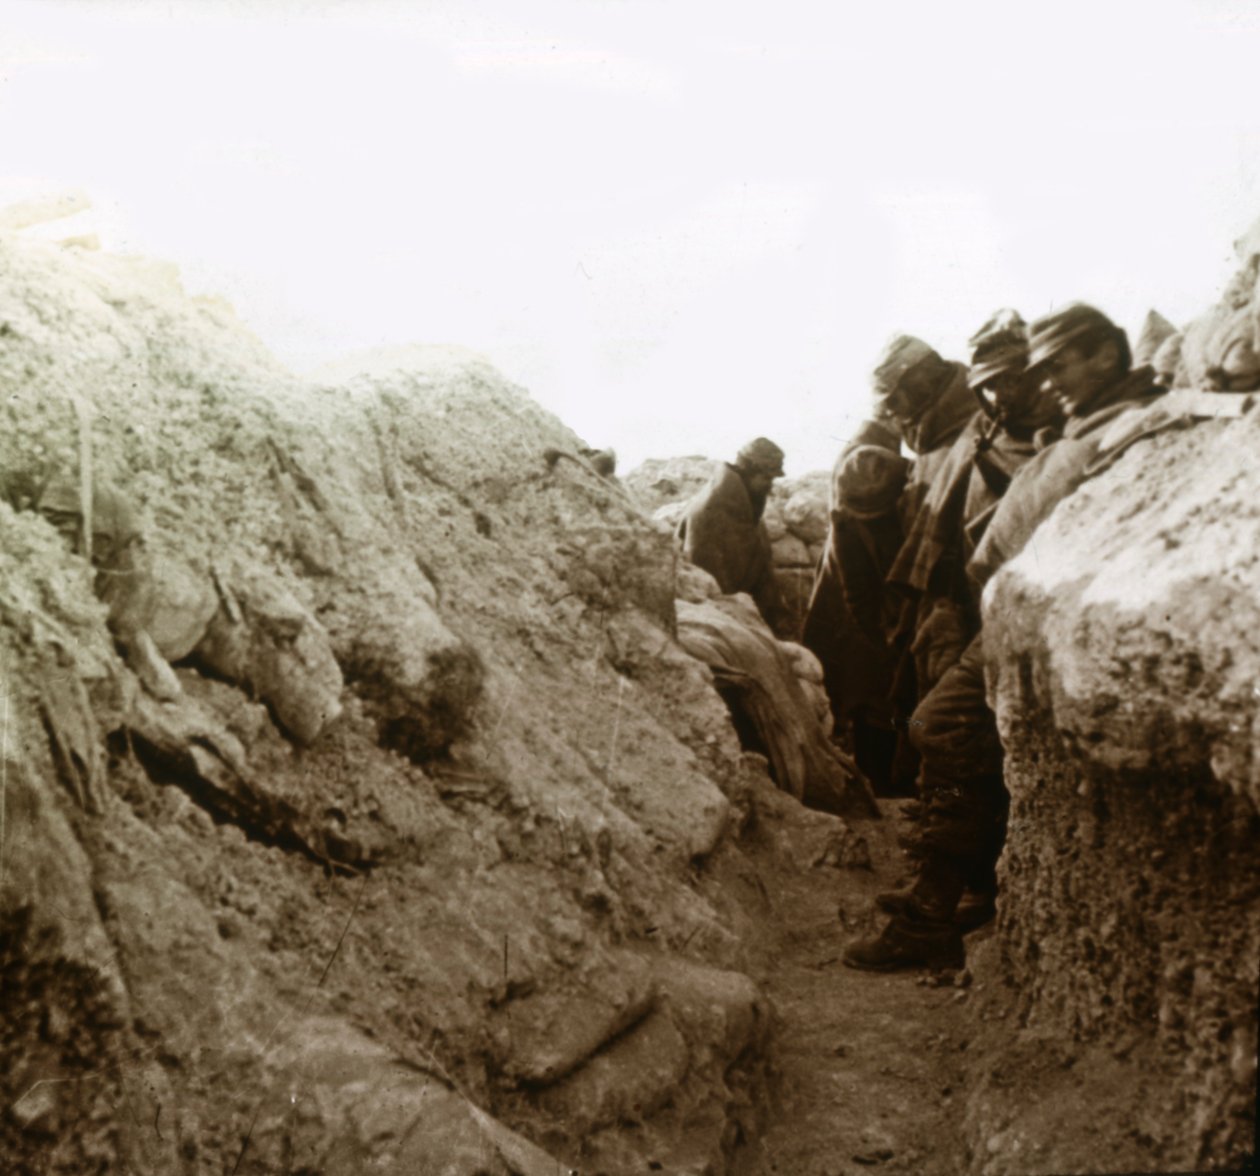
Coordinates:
596 588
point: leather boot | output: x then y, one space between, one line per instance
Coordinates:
908 943
896 902
935 893
974 908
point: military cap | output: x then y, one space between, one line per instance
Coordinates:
900 354
998 347
1051 333
761 454
870 481
877 431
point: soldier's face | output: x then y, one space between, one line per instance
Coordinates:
1013 394
914 393
1074 378
759 482
1006 391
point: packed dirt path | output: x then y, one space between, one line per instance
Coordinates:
869 1064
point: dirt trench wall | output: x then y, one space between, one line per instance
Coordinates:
413 858
1124 651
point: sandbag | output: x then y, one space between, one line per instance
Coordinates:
755 676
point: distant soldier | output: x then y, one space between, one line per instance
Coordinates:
1081 358
722 529
851 615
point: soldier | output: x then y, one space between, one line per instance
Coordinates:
928 399
1081 358
722 530
999 438
851 616
1021 418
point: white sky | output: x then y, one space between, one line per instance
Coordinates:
678 224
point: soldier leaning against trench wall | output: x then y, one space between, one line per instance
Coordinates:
1085 361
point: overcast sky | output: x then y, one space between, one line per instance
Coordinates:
679 225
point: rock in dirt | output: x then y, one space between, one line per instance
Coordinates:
421 681
844 849
661 482
280 651
180 607
806 511
1155 330
553 1033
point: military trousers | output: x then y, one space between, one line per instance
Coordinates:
965 801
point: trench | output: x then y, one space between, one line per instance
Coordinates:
869 1069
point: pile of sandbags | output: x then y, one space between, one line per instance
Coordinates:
760 679
1220 350
797 519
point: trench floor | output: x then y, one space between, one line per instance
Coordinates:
870 1065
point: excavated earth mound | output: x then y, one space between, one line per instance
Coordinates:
426 844
1123 645
1124 661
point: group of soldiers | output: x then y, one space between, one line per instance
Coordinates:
895 612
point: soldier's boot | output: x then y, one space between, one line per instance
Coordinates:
935 893
908 943
974 909
896 902
978 905
924 935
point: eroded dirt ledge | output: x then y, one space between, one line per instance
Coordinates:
1124 653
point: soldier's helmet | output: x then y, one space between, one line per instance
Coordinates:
1075 325
998 348
870 481
762 455
893 394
